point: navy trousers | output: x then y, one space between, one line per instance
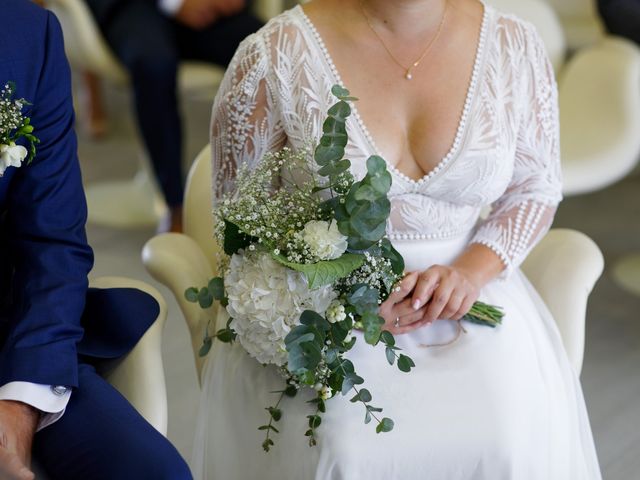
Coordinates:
102 437
621 17
151 45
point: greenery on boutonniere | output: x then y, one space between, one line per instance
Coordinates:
14 126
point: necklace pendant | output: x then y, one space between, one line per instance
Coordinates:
408 75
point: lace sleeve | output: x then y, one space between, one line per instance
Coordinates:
524 213
244 121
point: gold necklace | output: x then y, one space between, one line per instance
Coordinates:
407 70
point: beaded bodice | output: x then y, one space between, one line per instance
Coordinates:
505 152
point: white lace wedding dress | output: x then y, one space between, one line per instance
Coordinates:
497 404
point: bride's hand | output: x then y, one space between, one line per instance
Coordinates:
440 292
398 305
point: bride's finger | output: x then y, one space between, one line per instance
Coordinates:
439 301
464 308
403 289
453 305
426 284
409 322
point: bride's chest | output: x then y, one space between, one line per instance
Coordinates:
475 171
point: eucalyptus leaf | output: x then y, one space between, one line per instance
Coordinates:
391 355
339 91
363 298
206 347
326 154
405 364
350 381
314 421
314 319
372 326
325 272
387 338
385 425
226 335
367 417
363 395
389 251
216 288
205 299
191 294
275 413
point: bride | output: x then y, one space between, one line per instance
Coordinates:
461 101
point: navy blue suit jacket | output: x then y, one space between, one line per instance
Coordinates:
48 316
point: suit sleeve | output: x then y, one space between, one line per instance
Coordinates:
46 215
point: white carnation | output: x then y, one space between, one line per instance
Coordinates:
11 155
324 239
265 302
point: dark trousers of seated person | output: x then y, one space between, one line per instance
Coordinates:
621 17
102 437
151 45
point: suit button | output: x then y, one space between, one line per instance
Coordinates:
59 390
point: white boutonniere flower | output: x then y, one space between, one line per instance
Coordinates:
14 125
11 155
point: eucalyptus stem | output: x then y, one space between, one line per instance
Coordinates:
314 422
367 407
274 415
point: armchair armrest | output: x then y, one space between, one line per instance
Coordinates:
176 260
600 115
563 268
139 376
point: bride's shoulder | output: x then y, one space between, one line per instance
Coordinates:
288 26
515 33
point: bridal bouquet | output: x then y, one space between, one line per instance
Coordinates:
14 126
307 263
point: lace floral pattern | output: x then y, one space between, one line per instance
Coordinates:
505 153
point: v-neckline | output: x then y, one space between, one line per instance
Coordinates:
461 130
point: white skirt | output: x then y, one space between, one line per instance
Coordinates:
497 404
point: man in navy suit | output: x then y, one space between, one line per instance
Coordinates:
53 329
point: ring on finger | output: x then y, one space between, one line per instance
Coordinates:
397 322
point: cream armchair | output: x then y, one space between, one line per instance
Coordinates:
580 21
137 201
563 267
139 375
599 101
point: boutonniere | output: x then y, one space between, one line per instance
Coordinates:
14 125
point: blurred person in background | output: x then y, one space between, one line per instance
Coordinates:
621 17
150 37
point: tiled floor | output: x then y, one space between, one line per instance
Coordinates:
611 375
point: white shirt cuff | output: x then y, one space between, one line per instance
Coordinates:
170 7
52 401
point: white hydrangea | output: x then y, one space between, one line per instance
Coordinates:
324 239
11 155
265 302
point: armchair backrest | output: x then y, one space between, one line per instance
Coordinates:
197 209
574 8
